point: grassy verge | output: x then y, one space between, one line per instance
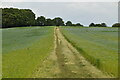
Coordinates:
0 54
98 47
31 46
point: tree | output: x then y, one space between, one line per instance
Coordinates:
41 21
49 22
78 24
98 25
103 25
0 18
116 25
92 25
58 21
68 23
13 17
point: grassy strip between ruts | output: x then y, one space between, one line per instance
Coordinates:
92 46
22 62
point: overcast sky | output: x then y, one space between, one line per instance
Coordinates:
82 12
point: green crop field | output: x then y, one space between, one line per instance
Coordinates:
0 53
97 45
24 49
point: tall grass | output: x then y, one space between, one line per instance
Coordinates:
24 49
97 45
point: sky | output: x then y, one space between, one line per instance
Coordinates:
83 12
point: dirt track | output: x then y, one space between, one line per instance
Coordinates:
66 62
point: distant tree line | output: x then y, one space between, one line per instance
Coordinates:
116 25
14 17
103 25
98 25
69 23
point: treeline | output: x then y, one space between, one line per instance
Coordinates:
98 25
103 25
116 25
14 17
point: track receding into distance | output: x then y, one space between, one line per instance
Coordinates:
66 62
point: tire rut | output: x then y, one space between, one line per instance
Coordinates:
61 58
66 62
71 63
